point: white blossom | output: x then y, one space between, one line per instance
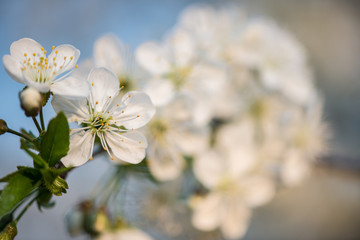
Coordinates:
110 117
29 64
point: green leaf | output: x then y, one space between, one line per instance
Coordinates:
30 172
39 162
53 182
9 232
55 143
18 188
43 198
8 177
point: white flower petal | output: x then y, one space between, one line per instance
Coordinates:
160 90
104 85
153 57
129 147
81 143
26 46
74 109
258 190
71 87
183 47
65 58
13 68
206 216
108 52
235 219
210 169
137 110
42 87
165 162
295 168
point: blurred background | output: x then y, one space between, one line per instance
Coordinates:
326 206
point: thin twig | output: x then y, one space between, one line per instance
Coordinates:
37 124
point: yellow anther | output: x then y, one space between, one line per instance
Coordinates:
122 87
25 54
72 57
34 54
24 61
45 51
70 129
129 95
105 149
54 59
56 52
109 96
65 58
138 116
76 119
102 124
91 158
28 59
117 105
53 47
112 158
122 140
42 49
76 66
55 64
122 111
139 141
92 84
34 63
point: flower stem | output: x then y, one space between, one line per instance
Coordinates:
19 134
42 119
37 125
26 208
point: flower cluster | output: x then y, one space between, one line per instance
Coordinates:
237 113
235 96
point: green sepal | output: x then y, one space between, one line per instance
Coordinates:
9 232
55 143
53 182
35 144
43 198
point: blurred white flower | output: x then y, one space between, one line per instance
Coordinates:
211 28
277 58
124 234
28 64
172 136
176 67
106 115
234 191
110 52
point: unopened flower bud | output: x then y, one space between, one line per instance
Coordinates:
3 127
31 100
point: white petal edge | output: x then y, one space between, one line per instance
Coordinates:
71 87
104 85
137 112
13 68
153 57
128 147
74 109
81 145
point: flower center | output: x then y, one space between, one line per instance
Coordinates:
38 68
99 122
